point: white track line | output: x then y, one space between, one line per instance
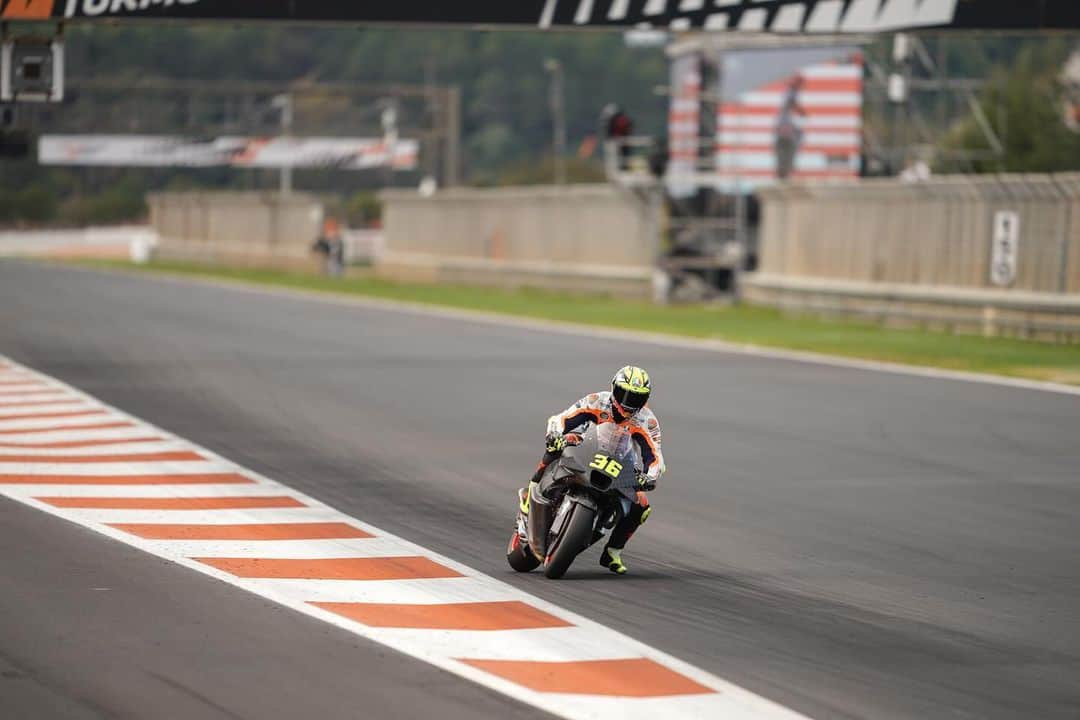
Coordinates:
178 467
122 448
277 549
218 517
13 427
434 592
31 408
152 491
251 540
14 400
593 331
75 434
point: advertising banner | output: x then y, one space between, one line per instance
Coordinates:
175 151
784 16
791 114
684 123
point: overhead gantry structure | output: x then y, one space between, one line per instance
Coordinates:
32 67
788 16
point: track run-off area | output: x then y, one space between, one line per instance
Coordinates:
829 541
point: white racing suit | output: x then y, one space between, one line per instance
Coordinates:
643 430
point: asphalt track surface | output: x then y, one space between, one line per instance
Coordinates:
852 544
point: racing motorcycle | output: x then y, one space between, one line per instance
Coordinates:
580 497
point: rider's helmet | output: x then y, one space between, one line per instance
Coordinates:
630 390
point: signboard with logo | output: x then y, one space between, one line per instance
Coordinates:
789 114
175 151
684 123
780 16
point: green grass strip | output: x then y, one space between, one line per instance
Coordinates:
737 324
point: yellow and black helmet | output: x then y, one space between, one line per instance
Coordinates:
630 389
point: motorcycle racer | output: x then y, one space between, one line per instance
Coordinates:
624 405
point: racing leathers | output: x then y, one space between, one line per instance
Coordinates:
644 432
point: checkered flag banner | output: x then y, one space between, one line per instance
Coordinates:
779 16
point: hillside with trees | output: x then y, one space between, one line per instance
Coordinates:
506 118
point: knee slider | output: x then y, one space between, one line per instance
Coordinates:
645 515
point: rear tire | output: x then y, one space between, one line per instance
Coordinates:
575 538
519 555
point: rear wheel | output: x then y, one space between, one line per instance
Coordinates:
519 555
574 538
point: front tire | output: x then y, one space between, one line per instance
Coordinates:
574 538
519 555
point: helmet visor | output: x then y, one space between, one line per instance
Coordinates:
632 401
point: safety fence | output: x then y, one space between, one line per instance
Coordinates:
257 229
584 237
103 242
991 253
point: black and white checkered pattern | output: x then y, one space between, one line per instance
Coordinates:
781 16
784 16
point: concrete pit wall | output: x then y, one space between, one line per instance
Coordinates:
919 253
245 229
591 238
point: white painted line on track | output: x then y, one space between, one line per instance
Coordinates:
45 467
81 435
278 549
122 448
218 517
7 401
33 408
433 592
320 562
594 331
47 402
20 427
154 491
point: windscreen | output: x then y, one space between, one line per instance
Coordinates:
613 439
606 449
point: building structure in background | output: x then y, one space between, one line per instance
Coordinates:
746 112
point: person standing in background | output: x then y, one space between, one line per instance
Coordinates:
331 245
789 130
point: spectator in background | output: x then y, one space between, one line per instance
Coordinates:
331 245
618 127
789 130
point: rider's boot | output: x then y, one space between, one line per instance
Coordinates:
611 558
523 499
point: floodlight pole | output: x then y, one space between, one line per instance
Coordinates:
558 115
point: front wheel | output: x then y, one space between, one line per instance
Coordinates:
519 555
574 538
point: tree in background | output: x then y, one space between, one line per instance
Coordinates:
504 87
1023 104
506 123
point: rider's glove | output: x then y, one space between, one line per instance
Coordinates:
555 442
645 483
